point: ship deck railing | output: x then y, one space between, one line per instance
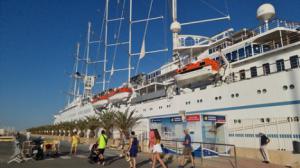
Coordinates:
275 24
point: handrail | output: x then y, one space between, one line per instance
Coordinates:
206 143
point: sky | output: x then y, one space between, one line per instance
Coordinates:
38 40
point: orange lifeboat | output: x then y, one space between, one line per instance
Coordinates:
100 101
119 95
197 71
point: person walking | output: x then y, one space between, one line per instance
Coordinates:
187 150
74 143
151 144
264 140
102 142
133 150
157 150
28 135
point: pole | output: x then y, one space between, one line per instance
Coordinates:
129 45
88 48
105 46
76 69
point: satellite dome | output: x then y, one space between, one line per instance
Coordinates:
265 12
175 27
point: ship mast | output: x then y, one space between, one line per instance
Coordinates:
175 26
129 45
76 71
105 46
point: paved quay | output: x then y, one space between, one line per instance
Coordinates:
113 160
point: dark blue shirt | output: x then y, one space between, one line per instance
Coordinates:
187 138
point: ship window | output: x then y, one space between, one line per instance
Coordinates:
266 48
256 48
234 56
239 121
264 90
280 65
292 86
284 87
294 61
258 91
216 98
228 56
253 71
232 95
220 97
237 95
242 74
266 68
262 120
241 53
296 119
248 51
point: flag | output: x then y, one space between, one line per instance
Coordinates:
143 52
112 70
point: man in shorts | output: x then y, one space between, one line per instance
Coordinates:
102 141
187 149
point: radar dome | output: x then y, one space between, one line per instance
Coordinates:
265 12
175 27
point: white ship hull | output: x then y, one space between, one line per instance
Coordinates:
76 113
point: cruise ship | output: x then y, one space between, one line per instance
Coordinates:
226 88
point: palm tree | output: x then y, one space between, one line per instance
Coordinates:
81 125
107 120
92 124
125 121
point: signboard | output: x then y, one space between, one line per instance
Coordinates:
176 119
156 120
214 118
191 118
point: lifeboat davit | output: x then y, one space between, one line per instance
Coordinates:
119 95
100 101
197 71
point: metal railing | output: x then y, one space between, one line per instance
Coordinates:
204 150
274 24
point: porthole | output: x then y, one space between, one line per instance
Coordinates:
292 86
284 87
268 120
232 95
262 120
216 98
198 101
237 95
264 90
296 119
239 121
201 100
258 91
220 97
235 121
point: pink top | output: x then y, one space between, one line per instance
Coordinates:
151 139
